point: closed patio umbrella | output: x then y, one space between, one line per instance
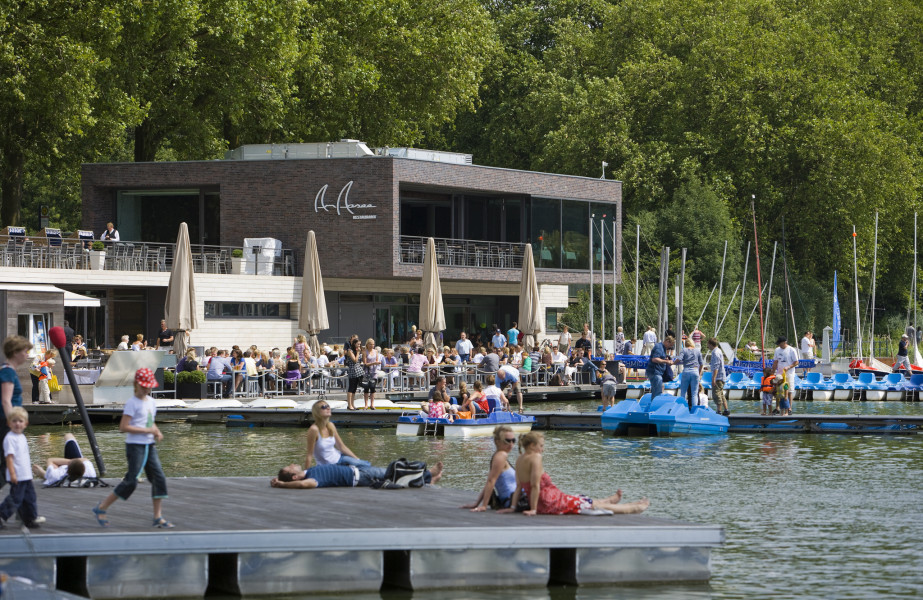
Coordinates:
531 315
180 306
432 315
312 316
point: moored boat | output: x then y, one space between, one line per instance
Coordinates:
664 415
414 425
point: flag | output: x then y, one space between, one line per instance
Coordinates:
836 317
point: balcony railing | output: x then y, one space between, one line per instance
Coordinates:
131 256
463 253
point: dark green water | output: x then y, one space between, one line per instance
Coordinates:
806 516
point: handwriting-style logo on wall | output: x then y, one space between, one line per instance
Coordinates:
342 205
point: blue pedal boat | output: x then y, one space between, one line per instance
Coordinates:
481 426
874 390
895 386
735 386
843 385
819 388
664 415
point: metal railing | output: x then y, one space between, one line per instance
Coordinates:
463 253
131 256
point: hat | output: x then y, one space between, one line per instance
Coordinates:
145 378
905 336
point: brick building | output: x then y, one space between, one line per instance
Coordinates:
371 211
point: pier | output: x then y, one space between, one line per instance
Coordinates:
237 535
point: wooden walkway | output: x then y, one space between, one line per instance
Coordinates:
239 535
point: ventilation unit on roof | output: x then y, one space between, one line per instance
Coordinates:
341 149
455 158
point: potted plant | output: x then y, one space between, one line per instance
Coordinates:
237 261
190 384
169 379
98 256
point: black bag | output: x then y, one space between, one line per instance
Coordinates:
521 506
402 473
668 373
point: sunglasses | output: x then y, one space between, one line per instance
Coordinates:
510 440
324 406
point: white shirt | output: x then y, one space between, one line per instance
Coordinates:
807 346
17 445
509 372
558 357
650 337
141 411
477 358
322 360
492 391
123 346
250 367
564 339
55 474
785 358
463 346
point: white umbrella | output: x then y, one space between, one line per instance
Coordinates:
531 315
312 315
432 316
180 305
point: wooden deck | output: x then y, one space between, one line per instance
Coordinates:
233 533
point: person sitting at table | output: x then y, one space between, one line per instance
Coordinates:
479 355
219 369
78 344
188 362
292 366
430 356
389 367
448 365
237 364
250 369
80 354
138 344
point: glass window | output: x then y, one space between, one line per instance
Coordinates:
248 310
546 233
576 231
603 218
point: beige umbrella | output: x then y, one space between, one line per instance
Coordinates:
180 306
312 316
432 316
531 315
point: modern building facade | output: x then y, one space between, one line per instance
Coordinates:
371 212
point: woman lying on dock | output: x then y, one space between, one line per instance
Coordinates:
501 479
531 475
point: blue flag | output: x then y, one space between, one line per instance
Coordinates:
836 317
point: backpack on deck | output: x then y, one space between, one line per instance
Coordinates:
402 473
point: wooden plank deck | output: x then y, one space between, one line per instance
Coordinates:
238 535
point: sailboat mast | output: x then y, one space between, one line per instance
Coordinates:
720 287
874 269
772 274
740 313
855 271
759 282
637 269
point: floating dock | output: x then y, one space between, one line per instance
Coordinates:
544 420
237 535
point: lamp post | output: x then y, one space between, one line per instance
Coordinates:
256 258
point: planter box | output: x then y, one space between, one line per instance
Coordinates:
191 390
97 260
237 265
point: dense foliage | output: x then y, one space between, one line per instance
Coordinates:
814 108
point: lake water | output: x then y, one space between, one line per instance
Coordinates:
805 516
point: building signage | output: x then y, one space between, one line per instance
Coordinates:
342 206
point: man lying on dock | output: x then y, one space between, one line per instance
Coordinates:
294 476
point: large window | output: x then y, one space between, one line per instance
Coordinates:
248 310
155 215
546 233
575 223
426 215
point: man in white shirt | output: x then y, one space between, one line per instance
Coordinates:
649 339
564 340
72 466
463 347
786 359
111 234
807 346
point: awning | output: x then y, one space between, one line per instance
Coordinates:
70 298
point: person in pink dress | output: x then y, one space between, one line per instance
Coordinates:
530 474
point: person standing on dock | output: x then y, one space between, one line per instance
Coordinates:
901 361
141 435
657 364
786 359
718 377
807 346
693 365
648 340
564 340
16 351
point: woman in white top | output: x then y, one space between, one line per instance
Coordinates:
564 340
807 346
324 443
371 360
